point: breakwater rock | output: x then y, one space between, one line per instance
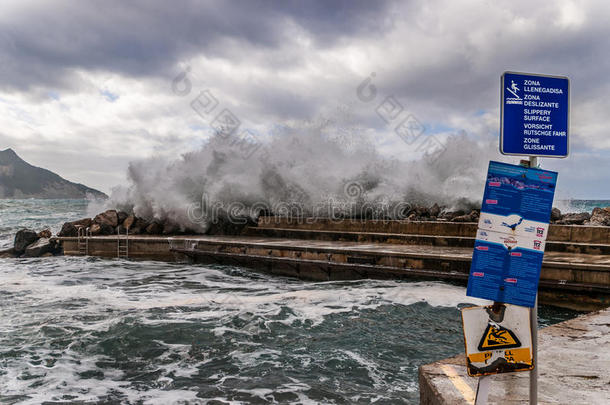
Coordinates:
29 243
112 222
598 217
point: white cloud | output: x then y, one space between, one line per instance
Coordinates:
571 15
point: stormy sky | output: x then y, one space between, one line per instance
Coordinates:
87 87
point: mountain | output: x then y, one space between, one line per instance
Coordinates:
19 179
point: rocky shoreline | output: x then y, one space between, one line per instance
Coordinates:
29 243
598 217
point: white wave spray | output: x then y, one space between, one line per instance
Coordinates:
301 171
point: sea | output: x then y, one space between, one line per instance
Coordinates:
85 330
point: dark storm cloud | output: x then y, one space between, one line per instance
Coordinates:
466 77
42 44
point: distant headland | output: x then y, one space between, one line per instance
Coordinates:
19 179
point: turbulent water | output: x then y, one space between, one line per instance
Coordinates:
36 214
83 330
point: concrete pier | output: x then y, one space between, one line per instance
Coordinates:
573 365
575 273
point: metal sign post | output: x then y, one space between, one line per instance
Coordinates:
534 327
534 372
483 390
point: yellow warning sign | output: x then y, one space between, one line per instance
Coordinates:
496 338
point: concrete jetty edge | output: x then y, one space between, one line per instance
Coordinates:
573 365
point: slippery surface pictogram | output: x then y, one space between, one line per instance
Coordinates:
496 338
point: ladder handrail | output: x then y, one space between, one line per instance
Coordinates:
125 248
82 241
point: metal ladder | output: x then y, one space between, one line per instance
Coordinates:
83 241
122 247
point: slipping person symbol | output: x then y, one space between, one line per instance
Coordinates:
513 89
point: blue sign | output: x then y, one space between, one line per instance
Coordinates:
534 115
505 268
518 191
510 241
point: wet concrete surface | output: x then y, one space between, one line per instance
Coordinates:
374 248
